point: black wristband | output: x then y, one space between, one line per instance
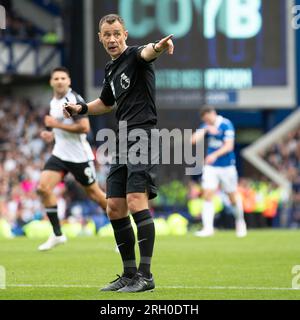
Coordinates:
84 108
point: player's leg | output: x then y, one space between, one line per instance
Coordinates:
85 174
95 193
229 181
208 214
49 179
209 185
238 210
117 212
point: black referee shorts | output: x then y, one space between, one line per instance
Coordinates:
84 173
132 178
124 179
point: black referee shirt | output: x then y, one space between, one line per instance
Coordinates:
130 82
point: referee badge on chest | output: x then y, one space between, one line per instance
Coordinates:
125 81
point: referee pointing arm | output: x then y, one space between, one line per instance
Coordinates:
130 84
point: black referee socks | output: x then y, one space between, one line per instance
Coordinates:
53 217
146 238
125 240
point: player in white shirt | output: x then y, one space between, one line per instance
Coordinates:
72 153
219 169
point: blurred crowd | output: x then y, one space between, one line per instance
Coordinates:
22 153
284 156
20 29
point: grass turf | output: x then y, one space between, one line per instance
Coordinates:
222 267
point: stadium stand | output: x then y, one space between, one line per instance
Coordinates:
52 6
17 27
285 157
27 46
276 155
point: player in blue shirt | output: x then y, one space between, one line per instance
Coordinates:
219 169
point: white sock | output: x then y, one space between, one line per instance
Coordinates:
238 210
208 215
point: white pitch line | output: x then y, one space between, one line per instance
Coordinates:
160 287
50 286
229 288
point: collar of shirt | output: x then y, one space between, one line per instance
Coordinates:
64 97
116 59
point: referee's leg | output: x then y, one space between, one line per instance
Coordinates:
138 205
117 212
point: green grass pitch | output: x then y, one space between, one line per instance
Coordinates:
222 267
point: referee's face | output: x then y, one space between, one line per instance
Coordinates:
60 82
113 37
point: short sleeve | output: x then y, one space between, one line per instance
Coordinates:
107 95
139 56
229 132
79 99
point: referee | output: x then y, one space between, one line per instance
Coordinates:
130 84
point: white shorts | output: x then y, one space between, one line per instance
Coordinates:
226 177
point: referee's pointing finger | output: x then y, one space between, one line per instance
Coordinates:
166 39
167 42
